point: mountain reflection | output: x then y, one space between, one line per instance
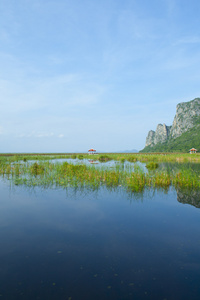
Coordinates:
191 197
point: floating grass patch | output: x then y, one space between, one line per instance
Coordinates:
152 165
104 158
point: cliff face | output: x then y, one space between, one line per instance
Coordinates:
159 136
185 118
186 114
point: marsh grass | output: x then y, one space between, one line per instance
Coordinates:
186 179
152 165
132 177
142 157
36 169
104 158
153 157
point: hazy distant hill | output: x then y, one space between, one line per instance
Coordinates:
182 135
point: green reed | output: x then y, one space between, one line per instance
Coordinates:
42 172
151 157
152 165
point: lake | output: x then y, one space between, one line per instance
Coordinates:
73 244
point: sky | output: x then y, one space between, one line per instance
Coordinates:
76 74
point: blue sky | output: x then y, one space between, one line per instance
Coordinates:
76 74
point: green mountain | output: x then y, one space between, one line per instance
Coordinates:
184 133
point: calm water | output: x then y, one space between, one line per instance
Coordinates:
96 163
74 245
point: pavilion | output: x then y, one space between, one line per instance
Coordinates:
91 151
193 150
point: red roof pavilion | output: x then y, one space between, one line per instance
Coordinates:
91 151
193 150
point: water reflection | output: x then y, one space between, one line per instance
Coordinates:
111 164
77 243
179 167
189 196
92 161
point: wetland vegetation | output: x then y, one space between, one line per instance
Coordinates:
133 172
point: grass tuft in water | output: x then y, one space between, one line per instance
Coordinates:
152 165
104 158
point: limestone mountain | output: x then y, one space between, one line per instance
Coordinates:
159 136
184 132
187 113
